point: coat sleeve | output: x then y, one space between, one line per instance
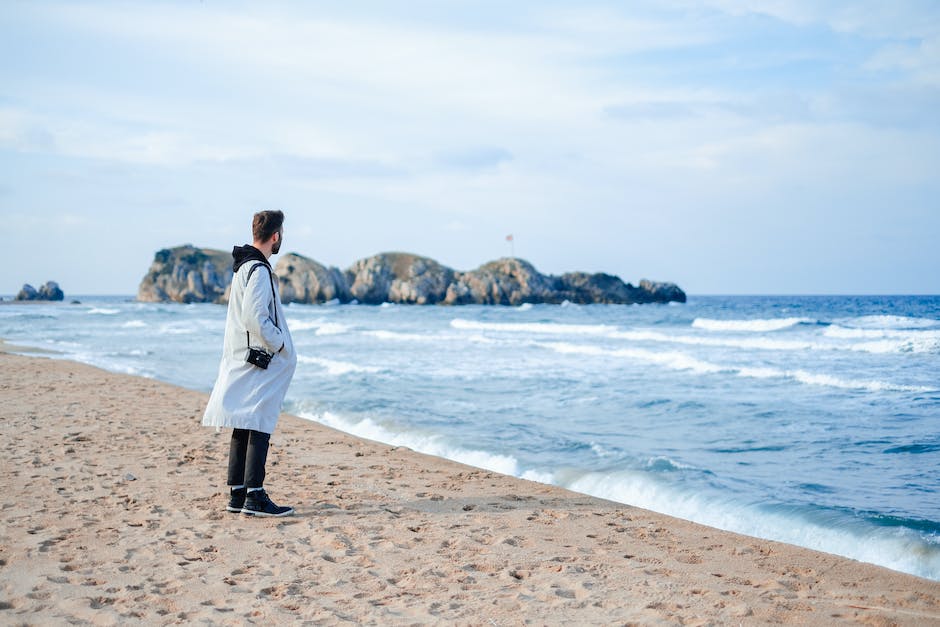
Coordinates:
256 312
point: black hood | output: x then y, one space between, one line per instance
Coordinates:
246 253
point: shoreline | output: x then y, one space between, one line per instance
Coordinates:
126 523
6 347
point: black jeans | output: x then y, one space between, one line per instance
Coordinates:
247 455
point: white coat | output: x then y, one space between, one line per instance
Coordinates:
245 396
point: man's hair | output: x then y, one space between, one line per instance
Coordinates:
265 224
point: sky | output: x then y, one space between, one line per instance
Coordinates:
730 147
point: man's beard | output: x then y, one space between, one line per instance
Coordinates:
276 248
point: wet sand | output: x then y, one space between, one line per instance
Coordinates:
115 513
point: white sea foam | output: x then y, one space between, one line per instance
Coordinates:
539 477
923 345
903 551
810 378
533 327
423 442
332 328
524 307
853 384
669 359
841 332
134 324
761 373
890 322
868 543
303 325
177 329
104 311
319 326
923 342
397 336
680 361
888 340
424 338
336 368
600 450
665 464
759 343
758 325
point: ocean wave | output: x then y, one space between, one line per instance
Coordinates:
759 343
422 442
843 534
673 360
27 315
925 345
399 336
533 327
915 449
332 328
903 550
303 325
887 340
104 311
177 329
810 378
843 332
134 324
336 368
757 325
681 361
601 451
319 327
889 322
920 344
665 464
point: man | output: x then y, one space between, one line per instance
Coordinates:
248 392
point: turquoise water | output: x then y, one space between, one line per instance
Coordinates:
810 420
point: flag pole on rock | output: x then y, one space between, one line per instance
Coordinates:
512 245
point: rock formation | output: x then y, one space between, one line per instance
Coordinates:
660 292
187 274
49 291
399 278
507 281
303 280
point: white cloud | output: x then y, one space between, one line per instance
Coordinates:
586 121
920 60
870 18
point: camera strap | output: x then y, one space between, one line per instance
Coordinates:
273 295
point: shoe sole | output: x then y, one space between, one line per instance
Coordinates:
252 512
234 510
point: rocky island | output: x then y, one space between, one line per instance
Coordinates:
188 274
49 291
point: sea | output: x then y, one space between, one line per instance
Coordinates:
812 420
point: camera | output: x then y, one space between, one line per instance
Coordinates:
259 357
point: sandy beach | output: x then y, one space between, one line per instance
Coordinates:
115 514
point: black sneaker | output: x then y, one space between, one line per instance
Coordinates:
257 503
237 500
